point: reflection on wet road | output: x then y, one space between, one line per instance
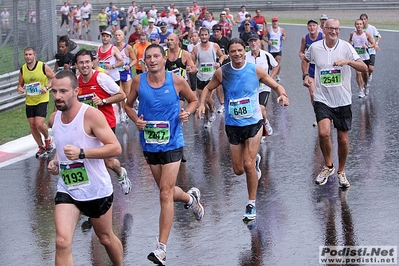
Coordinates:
295 216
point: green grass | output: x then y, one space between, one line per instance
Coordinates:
14 123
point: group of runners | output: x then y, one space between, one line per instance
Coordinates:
169 73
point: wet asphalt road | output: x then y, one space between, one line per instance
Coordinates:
295 216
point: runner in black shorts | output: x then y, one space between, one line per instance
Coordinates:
92 208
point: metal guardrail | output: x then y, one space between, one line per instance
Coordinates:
9 97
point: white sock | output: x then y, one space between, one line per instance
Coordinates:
252 202
190 202
162 246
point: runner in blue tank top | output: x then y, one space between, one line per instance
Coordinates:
159 120
243 117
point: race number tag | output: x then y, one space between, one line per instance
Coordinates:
206 68
87 99
157 132
60 69
331 77
186 42
114 22
240 108
360 50
274 42
101 64
33 88
176 71
74 175
247 48
260 27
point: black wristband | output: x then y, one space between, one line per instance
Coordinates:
304 75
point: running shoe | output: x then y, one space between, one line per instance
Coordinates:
48 146
207 124
124 181
158 256
220 109
277 78
123 117
366 90
212 117
263 139
196 206
269 128
343 182
40 152
322 178
257 163
370 77
361 93
250 212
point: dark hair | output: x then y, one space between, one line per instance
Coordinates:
204 29
364 15
84 52
154 46
235 40
70 75
64 39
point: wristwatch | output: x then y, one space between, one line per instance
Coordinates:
304 75
104 101
82 154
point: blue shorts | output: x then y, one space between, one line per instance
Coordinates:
125 75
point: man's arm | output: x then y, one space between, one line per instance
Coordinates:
21 83
131 99
213 84
184 89
220 54
118 57
188 62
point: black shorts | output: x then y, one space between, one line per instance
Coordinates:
92 208
238 135
276 54
121 26
367 62
263 97
86 19
163 157
372 59
37 110
201 84
138 71
192 79
102 28
341 116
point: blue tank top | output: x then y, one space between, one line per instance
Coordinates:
308 42
160 108
241 95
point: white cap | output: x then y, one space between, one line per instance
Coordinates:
122 8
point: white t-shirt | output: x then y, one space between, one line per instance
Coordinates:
332 83
261 60
375 34
64 10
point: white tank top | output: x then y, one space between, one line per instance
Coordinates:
73 179
358 42
206 62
